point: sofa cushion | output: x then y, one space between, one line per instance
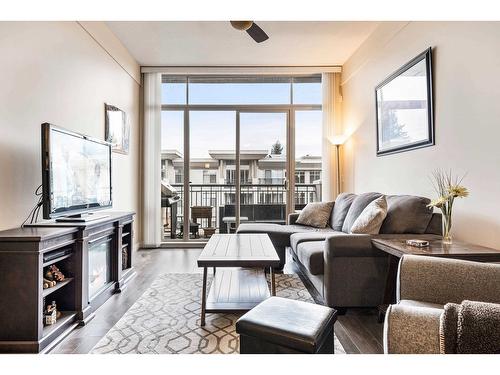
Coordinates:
340 209
406 214
297 238
315 214
358 205
279 234
371 218
310 254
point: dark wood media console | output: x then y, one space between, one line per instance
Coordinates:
95 257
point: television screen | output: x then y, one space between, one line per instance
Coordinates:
77 173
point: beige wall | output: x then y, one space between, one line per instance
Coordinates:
467 118
61 73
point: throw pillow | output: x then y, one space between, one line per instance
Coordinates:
371 218
358 205
406 214
340 209
315 214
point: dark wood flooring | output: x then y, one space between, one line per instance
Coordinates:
358 330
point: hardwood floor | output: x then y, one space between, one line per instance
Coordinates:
358 330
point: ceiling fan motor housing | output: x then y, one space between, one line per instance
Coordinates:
241 25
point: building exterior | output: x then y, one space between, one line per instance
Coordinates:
212 181
257 167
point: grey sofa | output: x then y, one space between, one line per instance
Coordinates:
424 286
344 268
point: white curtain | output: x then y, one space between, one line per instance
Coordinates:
151 220
331 127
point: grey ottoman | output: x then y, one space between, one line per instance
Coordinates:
284 326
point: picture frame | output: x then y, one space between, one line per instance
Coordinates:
404 107
117 129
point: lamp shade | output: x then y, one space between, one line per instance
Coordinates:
338 139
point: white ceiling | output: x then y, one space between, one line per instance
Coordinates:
217 43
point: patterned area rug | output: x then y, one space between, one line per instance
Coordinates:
166 320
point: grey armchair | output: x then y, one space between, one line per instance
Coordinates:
425 285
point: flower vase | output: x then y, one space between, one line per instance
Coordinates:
447 229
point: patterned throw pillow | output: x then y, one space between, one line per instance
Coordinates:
315 214
371 218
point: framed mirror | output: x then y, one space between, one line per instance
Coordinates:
117 131
404 107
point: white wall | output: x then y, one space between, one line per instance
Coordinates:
61 73
467 118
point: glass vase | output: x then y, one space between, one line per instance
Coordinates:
447 229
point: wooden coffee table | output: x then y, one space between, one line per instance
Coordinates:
240 289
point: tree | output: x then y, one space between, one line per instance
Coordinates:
391 128
276 148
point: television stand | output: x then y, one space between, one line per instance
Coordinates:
81 218
96 259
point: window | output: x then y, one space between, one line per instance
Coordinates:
308 155
178 176
307 90
314 176
244 176
230 176
173 90
209 177
239 90
300 177
207 109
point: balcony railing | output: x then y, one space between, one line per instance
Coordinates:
271 180
260 195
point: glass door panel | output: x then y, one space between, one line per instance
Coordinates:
308 157
172 173
212 168
263 166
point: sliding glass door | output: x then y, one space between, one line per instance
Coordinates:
212 181
263 166
307 179
237 149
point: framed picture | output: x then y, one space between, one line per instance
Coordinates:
117 129
404 107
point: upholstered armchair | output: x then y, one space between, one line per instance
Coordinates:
425 285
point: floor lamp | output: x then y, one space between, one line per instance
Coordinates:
338 141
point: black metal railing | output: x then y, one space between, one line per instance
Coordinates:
218 195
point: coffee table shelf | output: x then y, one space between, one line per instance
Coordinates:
237 290
240 289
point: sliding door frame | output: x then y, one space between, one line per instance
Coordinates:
288 109
290 154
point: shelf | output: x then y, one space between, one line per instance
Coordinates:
58 286
125 234
66 316
124 246
55 260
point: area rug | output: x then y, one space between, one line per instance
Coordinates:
166 320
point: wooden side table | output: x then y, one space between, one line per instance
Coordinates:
397 247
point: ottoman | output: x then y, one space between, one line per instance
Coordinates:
284 326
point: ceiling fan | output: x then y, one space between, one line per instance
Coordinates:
252 29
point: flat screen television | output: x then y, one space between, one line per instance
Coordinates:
76 174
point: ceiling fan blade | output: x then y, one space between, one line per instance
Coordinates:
257 33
